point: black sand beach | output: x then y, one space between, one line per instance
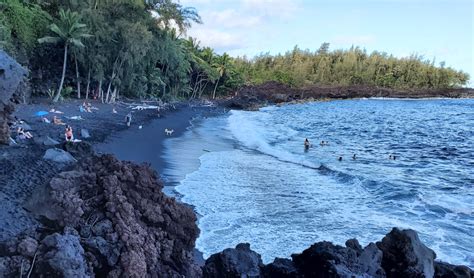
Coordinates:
22 168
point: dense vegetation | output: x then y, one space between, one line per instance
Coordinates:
138 48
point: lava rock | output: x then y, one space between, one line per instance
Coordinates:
280 268
404 255
445 270
27 247
63 256
240 261
58 155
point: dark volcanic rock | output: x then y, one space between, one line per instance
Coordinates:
445 270
236 262
11 76
404 255
252 97
280 268
324 259
129 228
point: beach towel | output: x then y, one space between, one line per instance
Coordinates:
41 113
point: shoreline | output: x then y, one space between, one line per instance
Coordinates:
95 123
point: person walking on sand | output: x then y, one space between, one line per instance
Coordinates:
69 135
128 118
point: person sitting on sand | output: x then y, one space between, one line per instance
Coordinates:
68 134
57 121
128 118
306 144
22 134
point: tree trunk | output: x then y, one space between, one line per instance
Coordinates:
108 91
58 94
88 83
100 90
77 78
215 88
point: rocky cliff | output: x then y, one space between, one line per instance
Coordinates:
11 77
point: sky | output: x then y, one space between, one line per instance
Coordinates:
437 29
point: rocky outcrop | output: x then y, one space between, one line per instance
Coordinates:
126 226
399 254
234 263
11 77
252 97
404 255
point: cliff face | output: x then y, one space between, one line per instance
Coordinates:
11 77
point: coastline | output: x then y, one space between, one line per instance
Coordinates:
178 119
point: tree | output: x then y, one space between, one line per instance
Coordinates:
221 64
70 32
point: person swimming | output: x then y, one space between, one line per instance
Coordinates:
354 157
307 144
340 158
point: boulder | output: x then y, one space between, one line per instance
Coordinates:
58 155
63 256
27 247
240 261
404 255
85 133
45 140
324 259
445 270
280 268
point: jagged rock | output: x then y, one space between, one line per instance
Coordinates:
78 149
240 261
104 250
445 270
324 259
404 255
58 155
134 230
11 75
63 256
85 133
46 140
27 247
280 268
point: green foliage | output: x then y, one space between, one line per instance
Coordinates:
137 48
22 24
349 67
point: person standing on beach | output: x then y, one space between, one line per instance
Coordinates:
128 118
69 135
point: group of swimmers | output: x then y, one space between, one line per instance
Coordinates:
307 145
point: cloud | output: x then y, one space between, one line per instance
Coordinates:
274 8
219 40
230 18
356 40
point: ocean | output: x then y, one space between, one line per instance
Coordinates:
249 178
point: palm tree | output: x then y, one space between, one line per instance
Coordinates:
221 66
69 31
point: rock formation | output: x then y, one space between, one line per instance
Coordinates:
111 218
251 97
11 76
399 254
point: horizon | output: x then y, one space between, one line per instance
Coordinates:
254 27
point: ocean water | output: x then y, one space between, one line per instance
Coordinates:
249 178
